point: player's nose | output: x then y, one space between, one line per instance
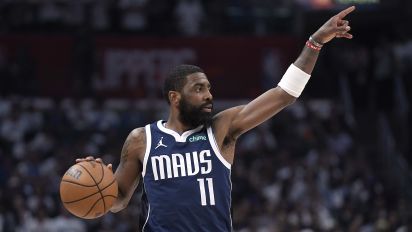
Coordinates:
208 96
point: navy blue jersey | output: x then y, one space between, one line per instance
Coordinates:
186 181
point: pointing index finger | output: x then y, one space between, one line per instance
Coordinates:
345 12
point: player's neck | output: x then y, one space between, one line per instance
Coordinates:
177 126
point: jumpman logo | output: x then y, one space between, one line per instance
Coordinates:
160 143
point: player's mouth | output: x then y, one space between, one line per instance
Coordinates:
207 108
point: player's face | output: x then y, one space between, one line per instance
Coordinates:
196 103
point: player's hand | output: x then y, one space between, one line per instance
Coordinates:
334 27
98 160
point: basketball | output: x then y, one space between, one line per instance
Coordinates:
88 189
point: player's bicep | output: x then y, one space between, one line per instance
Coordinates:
259 110
129 170
222 124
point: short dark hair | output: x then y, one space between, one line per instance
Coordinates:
177 78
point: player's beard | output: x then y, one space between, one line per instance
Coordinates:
194 115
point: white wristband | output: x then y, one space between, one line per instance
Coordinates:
294 81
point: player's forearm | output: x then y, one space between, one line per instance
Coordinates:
297 76
307 59
119 204
123 197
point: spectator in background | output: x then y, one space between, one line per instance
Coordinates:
64 222
271 68
100 20
189 17
74 13
50 15
133 15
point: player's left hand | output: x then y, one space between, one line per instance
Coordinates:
91 158
334 27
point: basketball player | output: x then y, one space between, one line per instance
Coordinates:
186 160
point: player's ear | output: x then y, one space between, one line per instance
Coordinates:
174 97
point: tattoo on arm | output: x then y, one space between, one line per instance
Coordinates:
135 142
125 151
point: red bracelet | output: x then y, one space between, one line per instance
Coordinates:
312 46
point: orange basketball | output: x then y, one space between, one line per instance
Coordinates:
88 189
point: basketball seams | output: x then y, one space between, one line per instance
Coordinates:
73 182
100 181
94 204
85 197
81 196
97 201
97 185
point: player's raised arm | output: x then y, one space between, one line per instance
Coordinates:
130 167
235 121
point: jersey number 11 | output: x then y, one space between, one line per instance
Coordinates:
203 191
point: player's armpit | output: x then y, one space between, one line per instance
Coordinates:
130 167
221 125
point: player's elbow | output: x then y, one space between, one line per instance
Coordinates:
120 203
288 99
284 97
118 206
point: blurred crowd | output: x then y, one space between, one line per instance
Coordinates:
301 171
176 17
171 17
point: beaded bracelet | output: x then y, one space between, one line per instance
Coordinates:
312 46
316 43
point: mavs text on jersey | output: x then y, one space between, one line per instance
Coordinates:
186 181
